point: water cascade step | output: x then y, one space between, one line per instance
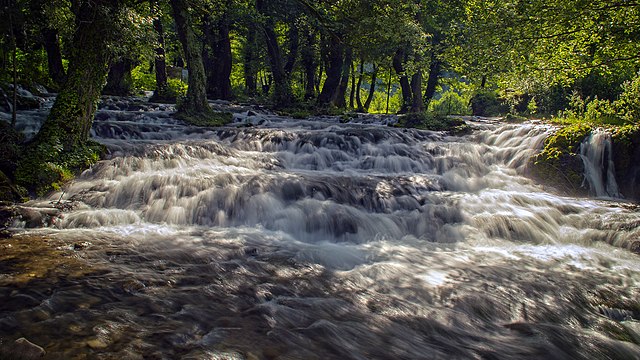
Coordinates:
317 239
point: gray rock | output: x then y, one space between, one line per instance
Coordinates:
24 349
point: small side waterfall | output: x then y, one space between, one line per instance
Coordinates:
599 169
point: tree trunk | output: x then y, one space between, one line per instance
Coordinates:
283 95
195 103
372 87
119 80
220 58
358 87
294 44
162 86
250 72
309 64
71 116
416 88
432 81
352 94
54 56
340 99
335 59
398 60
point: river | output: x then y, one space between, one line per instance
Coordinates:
276 238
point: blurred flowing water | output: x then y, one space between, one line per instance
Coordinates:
316 239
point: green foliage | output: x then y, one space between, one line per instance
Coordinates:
379 102
48 166
628 104
487 103
143 80
450 103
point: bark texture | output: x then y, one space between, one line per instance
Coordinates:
195 103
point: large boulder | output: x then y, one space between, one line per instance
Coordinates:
559 164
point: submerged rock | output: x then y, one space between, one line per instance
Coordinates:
23 349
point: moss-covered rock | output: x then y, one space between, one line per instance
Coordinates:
434 122
210 118
559 165
47 166
626 158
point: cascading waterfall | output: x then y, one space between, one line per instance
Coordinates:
313 239
599 169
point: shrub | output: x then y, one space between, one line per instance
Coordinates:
450 103
486 103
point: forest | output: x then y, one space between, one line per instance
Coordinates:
319 179
570 62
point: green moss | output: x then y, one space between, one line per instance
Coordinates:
48 166
559 164
511 118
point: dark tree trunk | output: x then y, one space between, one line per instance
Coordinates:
162 86
335 60
119 80
294 43
432 81
319 78
416 88
54 56
352 94
398 60
219 58
283 94
72 113
195 103
483 82
250 72
309 64
340 100
358 87
372 87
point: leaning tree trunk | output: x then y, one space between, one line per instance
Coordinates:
119 79
195 103
398 60
432 81
60 147
335 59
340 99
358 87
372 88
72 113
54 56
352 93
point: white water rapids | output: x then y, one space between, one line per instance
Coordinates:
313 239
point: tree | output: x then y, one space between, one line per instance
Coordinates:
195 103
60 146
